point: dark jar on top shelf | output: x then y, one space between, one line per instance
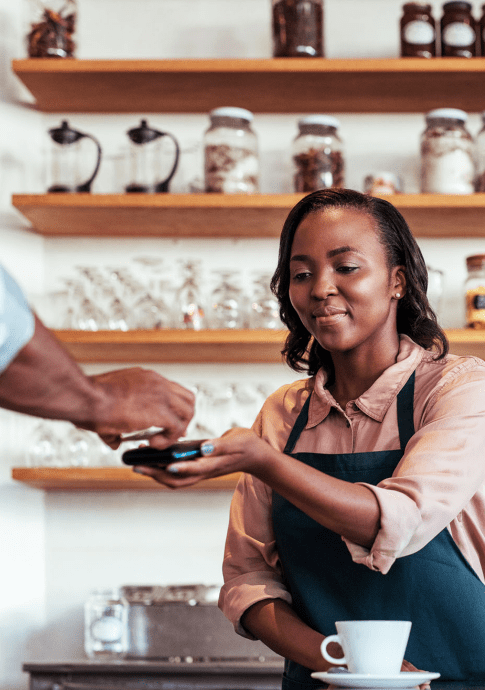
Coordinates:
52 27
418 31
458 30
297 28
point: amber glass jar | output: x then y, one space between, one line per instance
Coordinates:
318 154
297 28
458 30
481 31
52 27
418 31
475 291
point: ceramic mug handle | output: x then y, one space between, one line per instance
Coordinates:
326 655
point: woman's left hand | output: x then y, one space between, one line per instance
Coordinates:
409 667
238 450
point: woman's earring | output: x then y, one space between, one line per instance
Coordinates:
398 294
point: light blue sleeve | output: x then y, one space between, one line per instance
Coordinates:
16 319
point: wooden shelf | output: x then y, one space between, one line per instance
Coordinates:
172 346
281 85
105 479
224 215
238 346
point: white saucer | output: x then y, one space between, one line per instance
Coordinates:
359 680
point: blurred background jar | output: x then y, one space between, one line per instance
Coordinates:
448 164
298 28
382 183
475 291
481 157
458 30
106 625
231 160
418 30
481 32
51 32
318 155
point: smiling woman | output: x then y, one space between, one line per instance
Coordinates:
388 242
362 496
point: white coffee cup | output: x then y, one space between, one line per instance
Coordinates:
370 647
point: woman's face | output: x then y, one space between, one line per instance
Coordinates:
340 284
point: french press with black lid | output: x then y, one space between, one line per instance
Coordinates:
66 158
147 160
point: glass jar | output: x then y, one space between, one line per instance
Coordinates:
458 31
382 183
52 28
231 159
318 155
418 31
481 157
298 28
475 291
447 154
481 32
106 625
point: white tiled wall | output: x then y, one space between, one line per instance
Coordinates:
56 547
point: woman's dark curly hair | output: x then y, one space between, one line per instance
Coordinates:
415 316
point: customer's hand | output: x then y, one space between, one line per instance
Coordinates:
136 398
238 450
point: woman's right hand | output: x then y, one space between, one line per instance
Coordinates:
238 450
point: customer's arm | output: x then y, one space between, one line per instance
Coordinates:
43 380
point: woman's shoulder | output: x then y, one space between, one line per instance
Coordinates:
438 376
290 396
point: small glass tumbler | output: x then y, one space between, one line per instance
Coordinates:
106 625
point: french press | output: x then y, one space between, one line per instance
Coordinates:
67 154
146 157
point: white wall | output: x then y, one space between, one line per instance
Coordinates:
56 547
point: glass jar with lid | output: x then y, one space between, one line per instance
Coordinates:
481 33
481 157
297 28
418 30
106 624
475 291
231 160
458 30
51 31
318 154
448 164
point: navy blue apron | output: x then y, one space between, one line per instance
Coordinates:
434 588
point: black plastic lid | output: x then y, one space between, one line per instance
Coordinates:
64 134
143 134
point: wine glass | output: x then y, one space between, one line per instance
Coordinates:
264 305
189 306
227 310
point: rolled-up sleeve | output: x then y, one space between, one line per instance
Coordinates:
16 319
251 565
442 469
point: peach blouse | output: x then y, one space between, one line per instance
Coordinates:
438 484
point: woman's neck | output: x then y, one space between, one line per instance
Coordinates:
357 370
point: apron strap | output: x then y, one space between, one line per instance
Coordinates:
300 424
405 410
405 419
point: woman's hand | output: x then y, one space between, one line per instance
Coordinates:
408 666
238 450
